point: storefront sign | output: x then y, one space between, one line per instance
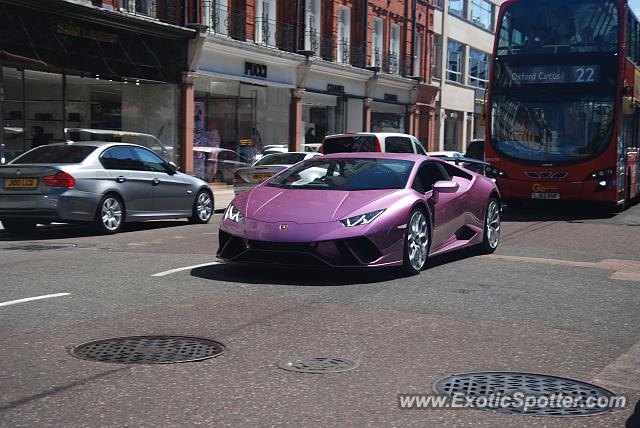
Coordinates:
255 70
85 33
336 89
391 97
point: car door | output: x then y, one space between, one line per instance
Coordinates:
446 218
129 179
419 147
172 194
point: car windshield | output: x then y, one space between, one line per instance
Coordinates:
559 27
350 144
281 159
55 154
345 174
551 128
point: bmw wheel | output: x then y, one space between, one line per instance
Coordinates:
416 242
491 237
111 214
202 208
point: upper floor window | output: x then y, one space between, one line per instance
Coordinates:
344 35
216 16
482 14
478 68
266 22
436 56
143 7
377 41
454 61
312 25
552 27
417 55
394 50
457 7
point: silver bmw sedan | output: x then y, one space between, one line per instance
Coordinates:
104 183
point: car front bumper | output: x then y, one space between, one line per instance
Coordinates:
300 245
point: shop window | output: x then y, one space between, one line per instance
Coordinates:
482 14
377 40
312 22
43 108
454 61
478 68
344 35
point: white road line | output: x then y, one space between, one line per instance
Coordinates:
29 299
169 272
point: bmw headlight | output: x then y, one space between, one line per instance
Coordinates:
361 219
234 214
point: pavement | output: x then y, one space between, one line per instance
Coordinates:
559 297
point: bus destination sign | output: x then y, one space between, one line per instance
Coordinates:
540 75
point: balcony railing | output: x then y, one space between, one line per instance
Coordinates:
270 32
163 10
224 21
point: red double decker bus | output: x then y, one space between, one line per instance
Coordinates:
562 110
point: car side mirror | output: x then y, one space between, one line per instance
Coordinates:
172 167
446 187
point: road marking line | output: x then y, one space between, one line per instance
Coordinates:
29 299
624 270
169 272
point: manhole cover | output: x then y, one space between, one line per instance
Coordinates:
528 393
318 364
148 350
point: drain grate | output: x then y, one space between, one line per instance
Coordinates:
149 350
547 395
318 364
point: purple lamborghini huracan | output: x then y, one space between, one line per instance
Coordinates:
362 210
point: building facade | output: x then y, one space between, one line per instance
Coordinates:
289 72
464 43
120 66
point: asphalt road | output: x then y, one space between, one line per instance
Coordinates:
559 297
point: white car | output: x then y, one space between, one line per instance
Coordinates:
387 142
269 165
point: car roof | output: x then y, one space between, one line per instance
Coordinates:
378 155
376 134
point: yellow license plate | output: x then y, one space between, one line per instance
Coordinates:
20 183
260 176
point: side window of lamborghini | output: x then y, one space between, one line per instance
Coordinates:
429 173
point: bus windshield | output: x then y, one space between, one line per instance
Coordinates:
544 126
559 27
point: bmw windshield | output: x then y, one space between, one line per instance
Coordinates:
345 174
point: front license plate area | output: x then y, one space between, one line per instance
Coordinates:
545 196
20 183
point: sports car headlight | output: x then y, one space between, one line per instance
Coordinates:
234 214
361 219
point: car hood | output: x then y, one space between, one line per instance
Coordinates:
271 204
